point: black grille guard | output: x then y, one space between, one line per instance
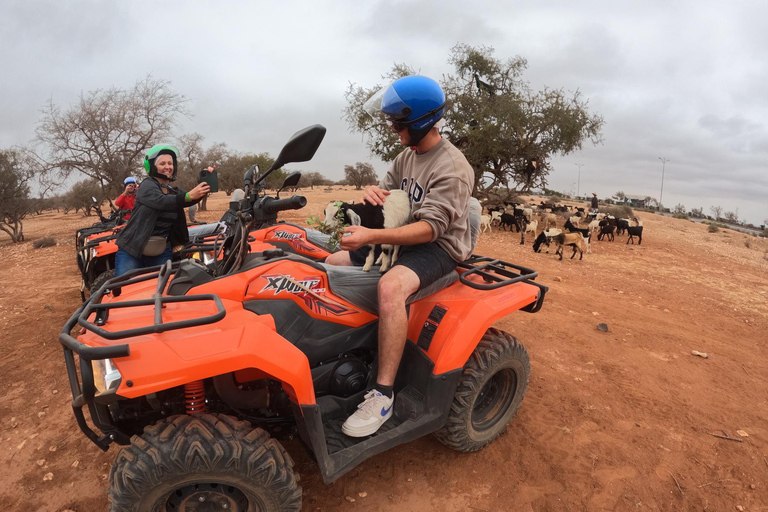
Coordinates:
83 387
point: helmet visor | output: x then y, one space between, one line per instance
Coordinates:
373 105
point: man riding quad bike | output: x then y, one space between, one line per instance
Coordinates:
191 366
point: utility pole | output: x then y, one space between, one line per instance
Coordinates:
663 165
578 183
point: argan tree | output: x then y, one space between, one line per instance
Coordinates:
104 135
507 130
360 175
15 203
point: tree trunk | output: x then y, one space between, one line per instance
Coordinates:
15 229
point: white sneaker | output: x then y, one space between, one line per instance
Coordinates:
370 415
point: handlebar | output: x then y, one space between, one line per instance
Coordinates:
276 205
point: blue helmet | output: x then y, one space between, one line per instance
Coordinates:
415 102
129 179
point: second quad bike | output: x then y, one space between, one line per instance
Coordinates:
96 245
197 370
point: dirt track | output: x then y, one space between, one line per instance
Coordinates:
612 421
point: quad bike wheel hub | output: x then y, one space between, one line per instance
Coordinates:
208 497
494 399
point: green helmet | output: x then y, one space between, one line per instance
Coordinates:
154 152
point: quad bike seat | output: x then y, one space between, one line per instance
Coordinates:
360 288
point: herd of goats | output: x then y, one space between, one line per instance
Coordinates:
529 218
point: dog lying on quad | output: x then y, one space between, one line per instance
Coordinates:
395 212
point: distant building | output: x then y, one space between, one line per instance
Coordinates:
635 201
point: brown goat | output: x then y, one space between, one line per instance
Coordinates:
573 239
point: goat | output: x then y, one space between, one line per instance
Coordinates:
635 231
575 240
485 223
584 233
606 230
545 238
395 212
621 226
573 229
594 225
548 220
508 220
496 216
527 214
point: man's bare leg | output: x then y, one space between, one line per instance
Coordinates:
394 289
340 258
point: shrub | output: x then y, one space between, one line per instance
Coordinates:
48 241
620 212
713 228
680 216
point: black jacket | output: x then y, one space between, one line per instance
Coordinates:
150 201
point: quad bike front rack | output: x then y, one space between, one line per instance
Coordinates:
497 273
83 386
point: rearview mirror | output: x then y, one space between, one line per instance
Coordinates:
301 147
292 179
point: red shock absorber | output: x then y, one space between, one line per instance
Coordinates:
194 397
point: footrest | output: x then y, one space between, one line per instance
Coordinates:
409 404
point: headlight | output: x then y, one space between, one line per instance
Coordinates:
106 376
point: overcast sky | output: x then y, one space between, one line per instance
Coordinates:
683 80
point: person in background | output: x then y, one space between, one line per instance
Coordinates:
127 199
158 222
593 209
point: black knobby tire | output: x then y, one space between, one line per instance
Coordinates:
489 393
100 280
218 458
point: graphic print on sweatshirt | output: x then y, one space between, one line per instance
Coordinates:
415 190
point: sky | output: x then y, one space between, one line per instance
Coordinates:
680 80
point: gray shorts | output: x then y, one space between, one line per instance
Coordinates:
428 261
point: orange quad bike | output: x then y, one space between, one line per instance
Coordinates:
197 370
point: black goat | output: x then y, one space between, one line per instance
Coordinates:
573 229
606 230
621 226
635 231
508 220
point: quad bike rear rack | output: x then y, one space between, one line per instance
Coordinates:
84 388
497 273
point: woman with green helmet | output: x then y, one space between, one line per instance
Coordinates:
158 223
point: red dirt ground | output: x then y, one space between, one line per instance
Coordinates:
621 420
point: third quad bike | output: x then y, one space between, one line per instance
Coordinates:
198 369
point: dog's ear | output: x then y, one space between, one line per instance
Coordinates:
353 217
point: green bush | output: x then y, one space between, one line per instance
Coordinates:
680 216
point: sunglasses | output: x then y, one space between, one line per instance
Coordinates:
396 125
401 124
